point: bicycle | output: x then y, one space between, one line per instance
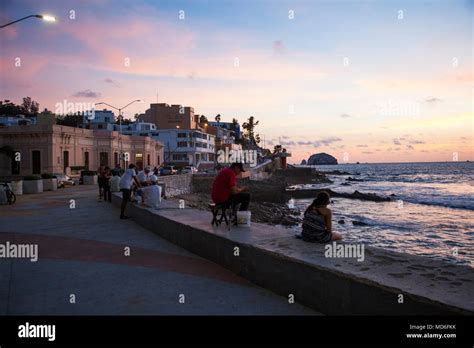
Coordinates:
11 198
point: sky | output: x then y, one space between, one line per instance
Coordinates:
365 81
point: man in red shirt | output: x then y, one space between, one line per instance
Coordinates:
225 190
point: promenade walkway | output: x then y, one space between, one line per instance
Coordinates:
82 259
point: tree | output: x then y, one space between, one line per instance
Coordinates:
235 128
29 106
218 119
8 108
249 129
277 149
69 120
202 121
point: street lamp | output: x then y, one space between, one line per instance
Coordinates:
46 18
120 121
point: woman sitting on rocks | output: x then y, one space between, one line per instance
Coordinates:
317 225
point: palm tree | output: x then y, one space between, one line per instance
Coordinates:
218 119
249 128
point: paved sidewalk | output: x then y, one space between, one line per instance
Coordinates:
82 253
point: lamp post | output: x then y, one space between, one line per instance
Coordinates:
120 123
46 18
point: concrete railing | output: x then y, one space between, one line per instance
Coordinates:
383 283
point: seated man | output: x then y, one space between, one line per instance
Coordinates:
144 176
151 195
225 190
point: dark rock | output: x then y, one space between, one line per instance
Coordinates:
353 179
342 222
337 172
393 195
358 223
345 184
321 159
312 193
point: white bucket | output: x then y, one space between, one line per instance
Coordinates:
243 218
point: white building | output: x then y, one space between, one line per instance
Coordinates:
182 146
100 116
137 128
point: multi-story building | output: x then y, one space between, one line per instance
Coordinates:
54 149
165 116
181 146
188 146
224 138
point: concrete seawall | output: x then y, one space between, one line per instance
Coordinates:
384 283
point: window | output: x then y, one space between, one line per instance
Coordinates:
182 144
86 160
181 135
148 160
179 157
106 119
144 134
139 160
158 161
36 159
199 135
116 159
65 160
100 126
104 158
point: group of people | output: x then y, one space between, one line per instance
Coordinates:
105 179
143 184
317 218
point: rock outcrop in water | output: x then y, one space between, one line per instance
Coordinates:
321 159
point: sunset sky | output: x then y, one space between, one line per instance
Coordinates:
368 81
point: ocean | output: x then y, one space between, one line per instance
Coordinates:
432 213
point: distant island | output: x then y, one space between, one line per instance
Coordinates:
320 159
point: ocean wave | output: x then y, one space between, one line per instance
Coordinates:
453 205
